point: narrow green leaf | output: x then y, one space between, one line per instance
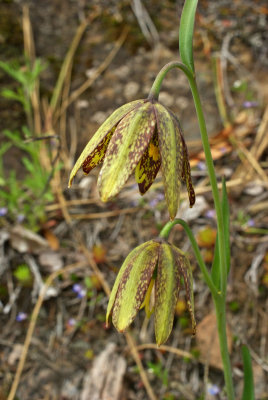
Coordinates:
186 33
248 391
14 70
28 165
226 222
10 94
215 272
4 148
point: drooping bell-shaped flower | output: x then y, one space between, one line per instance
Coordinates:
140 136
155 263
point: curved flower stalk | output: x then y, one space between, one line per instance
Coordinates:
140 136
156 265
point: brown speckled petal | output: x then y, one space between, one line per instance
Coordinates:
185 270
166 293
126 147
97 145
171 157
133 285
149 165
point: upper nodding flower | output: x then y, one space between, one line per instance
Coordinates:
141 135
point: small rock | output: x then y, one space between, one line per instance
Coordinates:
4 236
122 72
166 99
182 102
82 104
51 261
15 354
99 117
253 189
131 89
190 214
91 72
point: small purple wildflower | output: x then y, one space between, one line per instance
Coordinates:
213 389
159 197
223 149
71 322
201 166
22 316
82 293
20 218
250 104
3 211
210 214
79 290
251 222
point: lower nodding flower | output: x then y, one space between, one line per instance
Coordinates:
157 264
140 136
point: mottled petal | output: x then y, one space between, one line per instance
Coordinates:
97 155
184 159
133 285
98 143
149 165
186 175
171 160
185 270
126 147
166 293
128 261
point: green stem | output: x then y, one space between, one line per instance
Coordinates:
154 92
220 308
165 233
213 182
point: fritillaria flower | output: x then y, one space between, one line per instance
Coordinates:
152 272
140 136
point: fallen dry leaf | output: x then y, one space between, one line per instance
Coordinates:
208 342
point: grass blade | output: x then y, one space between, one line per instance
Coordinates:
186 33
248 391
215 272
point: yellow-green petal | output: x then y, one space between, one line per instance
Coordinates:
126 147
133 286
128 261
166 293
185 270
171 157
98 141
